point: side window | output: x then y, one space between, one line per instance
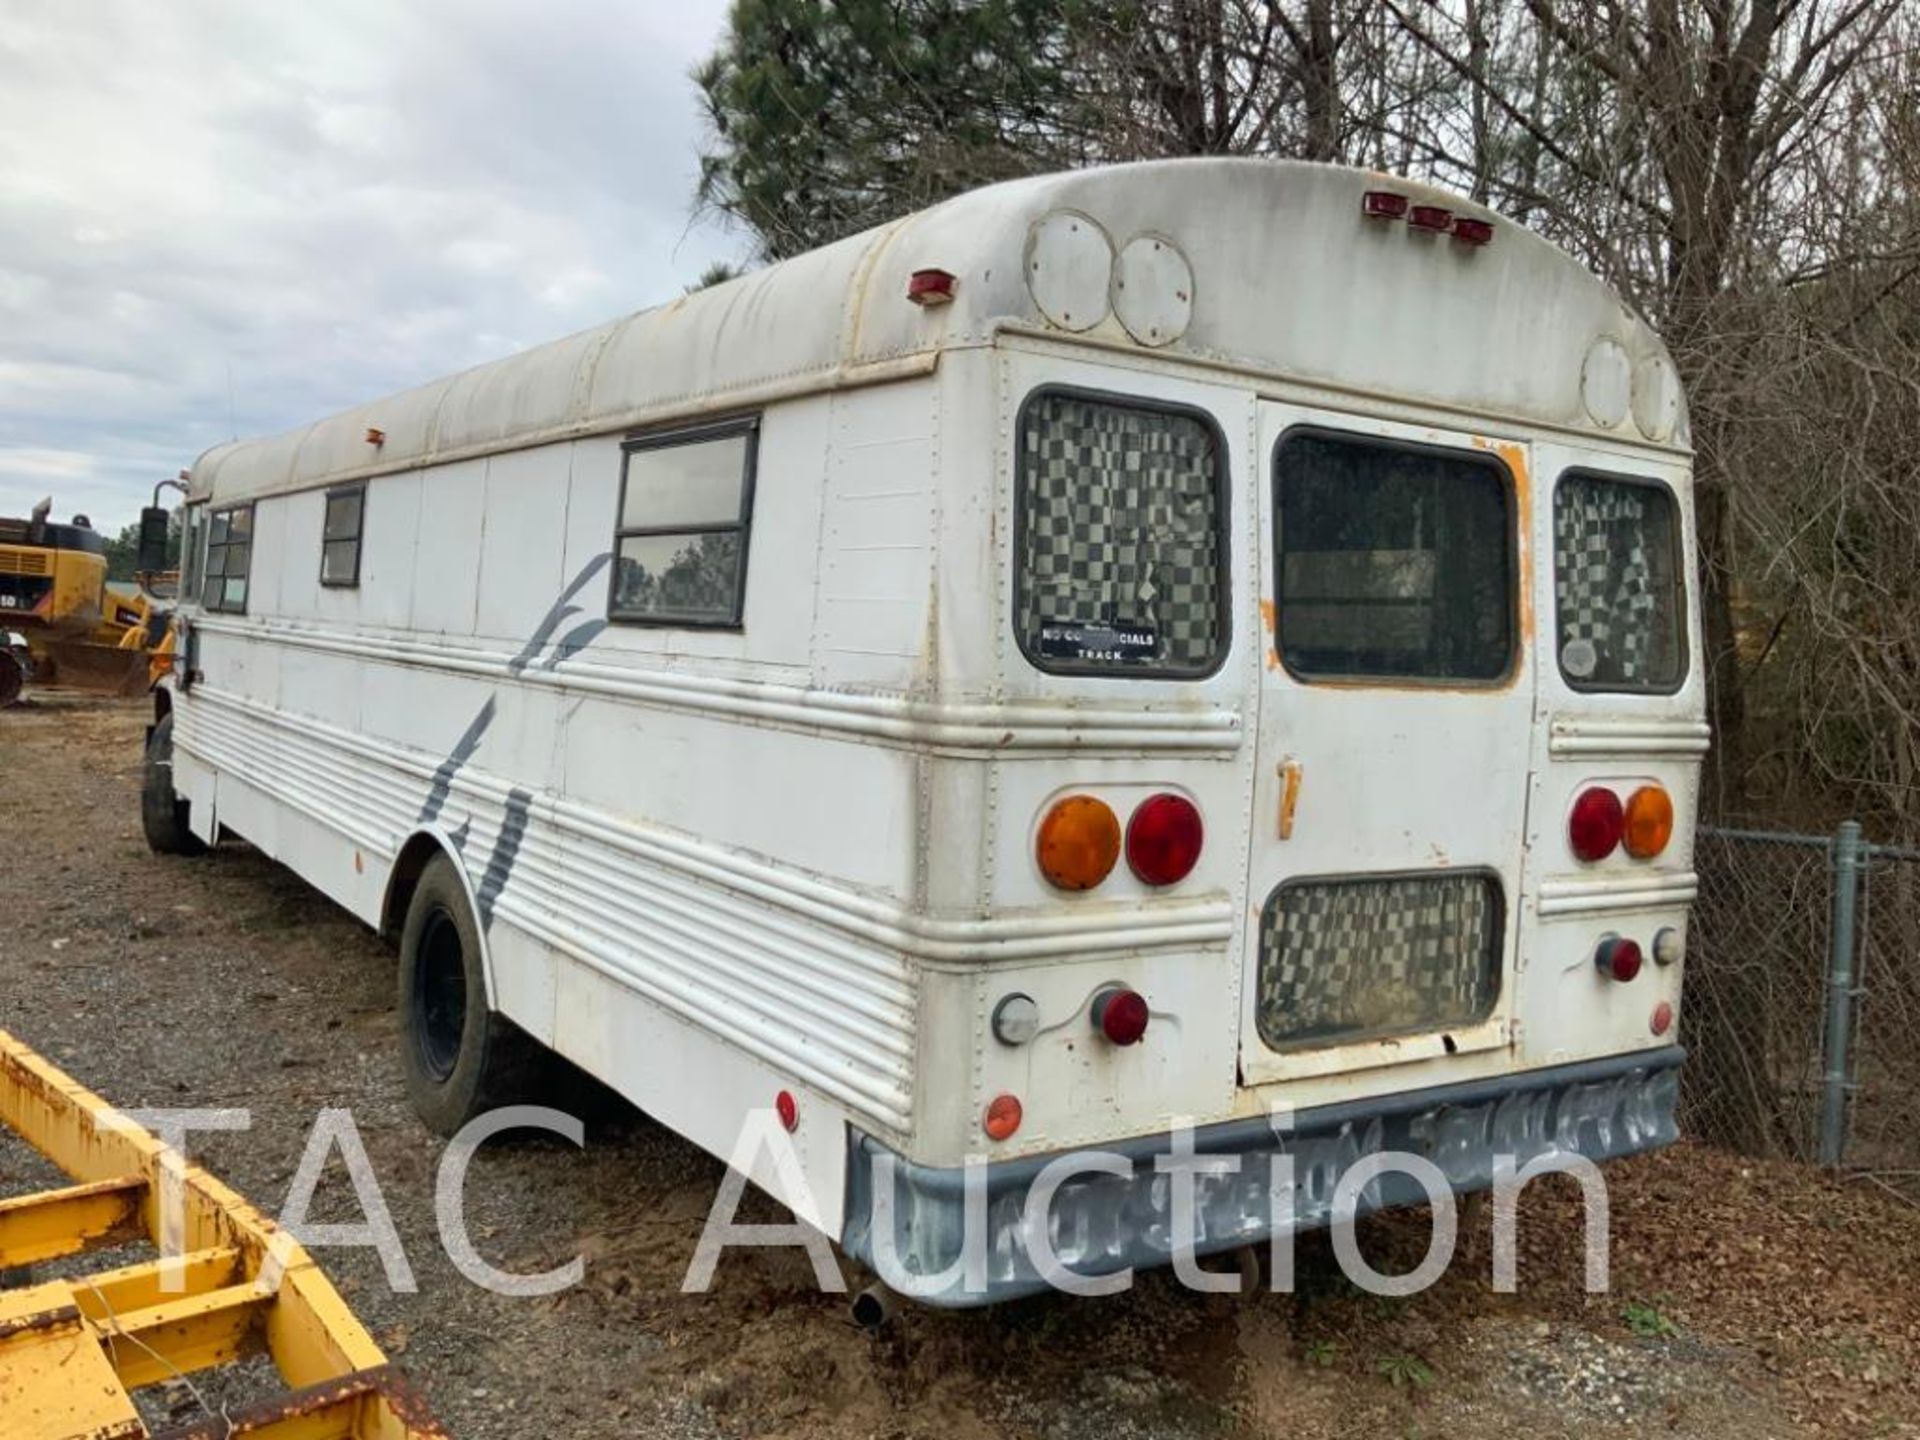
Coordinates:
340 536
1119 538
1618 590
680 547
1394 561
229 553
192 546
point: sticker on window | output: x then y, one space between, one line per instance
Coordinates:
1079 640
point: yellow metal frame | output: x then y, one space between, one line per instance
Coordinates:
228 1284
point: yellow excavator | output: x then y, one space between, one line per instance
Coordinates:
61 621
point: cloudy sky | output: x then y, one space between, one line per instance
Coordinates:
235 216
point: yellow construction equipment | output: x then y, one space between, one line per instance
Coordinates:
80 630
230 1285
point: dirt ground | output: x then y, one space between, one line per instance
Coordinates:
1748 1299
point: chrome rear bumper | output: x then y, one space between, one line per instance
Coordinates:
1100 1223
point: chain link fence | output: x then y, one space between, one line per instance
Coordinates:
1803 1000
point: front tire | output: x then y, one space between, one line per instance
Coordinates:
163 814
460 1059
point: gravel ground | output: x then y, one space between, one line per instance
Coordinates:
1748 1299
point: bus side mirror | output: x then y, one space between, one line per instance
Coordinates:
154 523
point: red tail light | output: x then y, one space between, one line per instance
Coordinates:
1163 839
1593 829
1617 958
1120 1014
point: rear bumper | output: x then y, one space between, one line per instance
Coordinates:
1100 1223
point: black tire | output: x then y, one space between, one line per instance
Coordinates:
13 677
163 814
460 1059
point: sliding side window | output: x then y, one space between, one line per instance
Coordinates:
340 536
1120 538
229 553
680 552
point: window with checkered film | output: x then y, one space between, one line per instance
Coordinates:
1358 959
1617 584
1119 564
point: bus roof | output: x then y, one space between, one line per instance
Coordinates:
1263 266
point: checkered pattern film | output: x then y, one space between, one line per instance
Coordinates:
1349 960
1120 530
1615 575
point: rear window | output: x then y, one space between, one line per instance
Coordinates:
1393 560
1365 957
1119 538
1617 584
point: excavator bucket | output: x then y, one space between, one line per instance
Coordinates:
223 1286
90 665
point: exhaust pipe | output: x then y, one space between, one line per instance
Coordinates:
873 1307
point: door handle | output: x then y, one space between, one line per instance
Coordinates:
1289 771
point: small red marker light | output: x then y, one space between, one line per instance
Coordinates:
1472 232
376 436
1594 826
1662 1020
1003 1117
1120 1014
1430 217
1383 205
1617 958
788 1109
930 287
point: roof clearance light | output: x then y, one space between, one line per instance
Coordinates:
1617 958
1120 1014
1472 232
1383 205
1002 1117
1436 218
1164 837
930 287
1593 829
1649 822
788 1109
1078 843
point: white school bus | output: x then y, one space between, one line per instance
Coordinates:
1114 651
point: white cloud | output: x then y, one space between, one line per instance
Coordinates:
220 216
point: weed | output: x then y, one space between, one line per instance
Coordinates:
1405 1372
1648 1321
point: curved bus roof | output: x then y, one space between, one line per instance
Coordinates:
1283 276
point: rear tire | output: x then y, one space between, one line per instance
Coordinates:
163 814
460 1059
13 677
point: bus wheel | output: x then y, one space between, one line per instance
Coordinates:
460 1059
163 814
13 676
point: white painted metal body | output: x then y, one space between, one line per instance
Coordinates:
800 854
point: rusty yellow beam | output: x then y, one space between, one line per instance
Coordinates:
178 1337
72 1349
65 1222
152 1282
